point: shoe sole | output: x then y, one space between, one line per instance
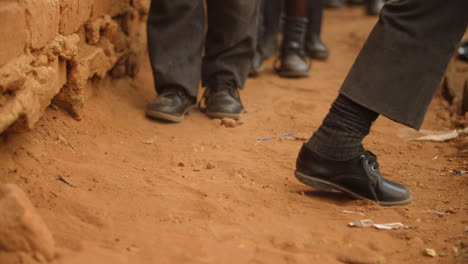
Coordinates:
223 115
317 55
169 117
294 74
329 186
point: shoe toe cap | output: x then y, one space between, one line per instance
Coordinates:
394 192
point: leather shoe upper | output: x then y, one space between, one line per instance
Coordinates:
374 7
315 48
222 100
171 102
360 175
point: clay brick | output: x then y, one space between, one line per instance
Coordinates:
42 18
12 31
74 14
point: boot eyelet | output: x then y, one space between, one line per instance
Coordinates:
373 168
367 162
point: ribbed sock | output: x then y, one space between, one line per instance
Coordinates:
343 129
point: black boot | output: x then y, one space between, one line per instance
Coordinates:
314 46
292 58
358 177
374 7
172 104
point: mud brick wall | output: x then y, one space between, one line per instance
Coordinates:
52 49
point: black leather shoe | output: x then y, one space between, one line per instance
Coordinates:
257 65
315 48
374 7
333 3
171 105
222 100
292 59
358 177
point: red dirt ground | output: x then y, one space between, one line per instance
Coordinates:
143 192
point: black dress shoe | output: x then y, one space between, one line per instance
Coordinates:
333 3
374 7
222 100
358 177
315 48
171 105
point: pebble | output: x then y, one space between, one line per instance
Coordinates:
229 122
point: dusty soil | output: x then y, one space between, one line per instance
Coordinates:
197 192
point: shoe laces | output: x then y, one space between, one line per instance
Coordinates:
370 159
213 87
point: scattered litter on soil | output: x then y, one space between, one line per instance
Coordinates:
390 226
352 212
369 223
430 252
435 212
150 141
361 223
458 172
65 180
430 135
280 135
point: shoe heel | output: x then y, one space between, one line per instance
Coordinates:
307 180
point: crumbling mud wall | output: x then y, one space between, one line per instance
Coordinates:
52 49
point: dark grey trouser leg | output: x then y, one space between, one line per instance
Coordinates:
230 41
260 23
175 37
272 16
403 61
315 16
269 26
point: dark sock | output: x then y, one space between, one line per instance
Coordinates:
343 129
